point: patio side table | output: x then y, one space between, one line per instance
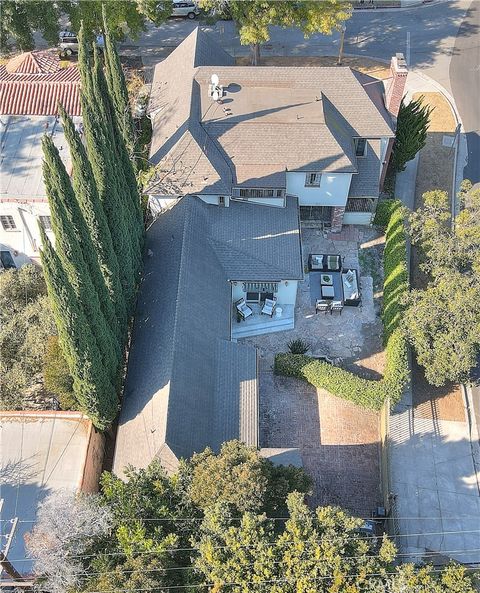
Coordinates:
328 292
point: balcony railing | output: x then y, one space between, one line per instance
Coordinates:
245 193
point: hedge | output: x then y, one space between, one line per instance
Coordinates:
385 208
341 383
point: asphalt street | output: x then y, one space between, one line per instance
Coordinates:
440 40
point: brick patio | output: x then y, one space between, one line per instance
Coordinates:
338 441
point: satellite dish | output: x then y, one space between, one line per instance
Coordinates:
215 80
215 95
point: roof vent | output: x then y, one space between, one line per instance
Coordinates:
215 90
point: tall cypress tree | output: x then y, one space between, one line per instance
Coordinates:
97 228
130 194
66 223
91 385
108 178
118 88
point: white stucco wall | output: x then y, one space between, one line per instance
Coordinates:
333 190
24 241
286 295
357 217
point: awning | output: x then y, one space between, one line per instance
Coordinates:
260 287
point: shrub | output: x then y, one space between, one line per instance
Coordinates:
342 383
56 376
384 211
298 346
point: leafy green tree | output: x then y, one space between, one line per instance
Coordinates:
96 237
411 135
91 385
67 221
18 288
241 478
254 17
317 551
23 338
442 320
124 17
26 322
20 19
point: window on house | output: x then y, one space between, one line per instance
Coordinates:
46 222
360 146
221 200
8 223
254 192
313 179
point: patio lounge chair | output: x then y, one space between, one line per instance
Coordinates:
269 306
321 306
243 309
336 306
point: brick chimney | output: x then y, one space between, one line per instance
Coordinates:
394 93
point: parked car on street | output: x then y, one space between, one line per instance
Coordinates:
188 9
68 44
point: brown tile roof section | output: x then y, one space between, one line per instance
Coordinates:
33 83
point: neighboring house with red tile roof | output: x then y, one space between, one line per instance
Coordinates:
33 83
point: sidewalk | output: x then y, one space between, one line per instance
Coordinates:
433 479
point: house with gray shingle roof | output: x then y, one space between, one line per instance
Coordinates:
241 155
224 132
189 383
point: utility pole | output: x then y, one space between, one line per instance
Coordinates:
342 39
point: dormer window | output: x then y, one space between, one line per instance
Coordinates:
360 146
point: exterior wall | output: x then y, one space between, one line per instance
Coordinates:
24 241
279 202
364 218
286 295
214 199
93 461
159 203
333 189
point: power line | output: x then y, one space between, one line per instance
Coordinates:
430 554
191 549
175 519
266 582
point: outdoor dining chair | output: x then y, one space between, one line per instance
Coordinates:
337 306
322 306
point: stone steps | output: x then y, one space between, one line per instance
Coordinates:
267 327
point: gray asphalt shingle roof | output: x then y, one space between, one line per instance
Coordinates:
272 119
366 182
187 385
257 242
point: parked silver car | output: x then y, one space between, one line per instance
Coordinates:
188 9
69 43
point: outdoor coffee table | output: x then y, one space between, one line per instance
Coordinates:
326 280
328 292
